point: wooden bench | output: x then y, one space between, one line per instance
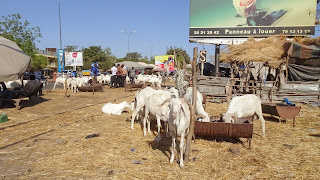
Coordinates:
16 102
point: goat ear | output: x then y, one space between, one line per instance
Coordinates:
164 102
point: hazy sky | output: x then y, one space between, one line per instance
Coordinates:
158 23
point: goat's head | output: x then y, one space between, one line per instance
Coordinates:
228 117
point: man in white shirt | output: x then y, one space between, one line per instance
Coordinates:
113 76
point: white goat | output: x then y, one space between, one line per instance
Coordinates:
161 113
60 80
199 108
115 108
179 122
74 85
244 106
140 101
15 84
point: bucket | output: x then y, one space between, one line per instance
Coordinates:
3 117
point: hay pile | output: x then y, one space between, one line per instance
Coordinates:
308 41
267 50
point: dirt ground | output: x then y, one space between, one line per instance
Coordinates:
47 140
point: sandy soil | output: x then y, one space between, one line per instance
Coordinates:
53 144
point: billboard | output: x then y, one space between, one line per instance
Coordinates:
73 59
165 61
60 60
257 18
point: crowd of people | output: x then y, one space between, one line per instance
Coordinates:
119 74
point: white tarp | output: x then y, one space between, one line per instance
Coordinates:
13 61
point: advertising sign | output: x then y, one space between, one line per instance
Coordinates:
164 61
60 60
74 59
258 18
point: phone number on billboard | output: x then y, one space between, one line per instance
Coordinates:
251 31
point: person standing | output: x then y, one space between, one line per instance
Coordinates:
124 75
119 75
94 71
113 76
123 66
132 74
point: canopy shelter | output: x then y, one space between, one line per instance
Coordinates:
158 69
14 62
304 62
130 64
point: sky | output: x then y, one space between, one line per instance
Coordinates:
159 24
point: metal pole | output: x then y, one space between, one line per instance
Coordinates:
217 57
128 43
60 26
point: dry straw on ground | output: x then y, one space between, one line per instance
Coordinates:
121 153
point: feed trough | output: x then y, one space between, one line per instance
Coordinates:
242 129
282 111
97 88
131 86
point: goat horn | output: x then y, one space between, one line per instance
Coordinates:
183 100
166 101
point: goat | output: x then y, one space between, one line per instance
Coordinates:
60 80
244 106
199 108
115 108
161 113
179 122
140 101
74 85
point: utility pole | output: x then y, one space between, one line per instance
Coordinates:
60 26
128 34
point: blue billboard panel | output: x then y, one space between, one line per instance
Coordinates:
60 60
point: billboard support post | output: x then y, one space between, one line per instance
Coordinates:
202 66
217 59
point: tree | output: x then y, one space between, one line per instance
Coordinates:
71 49
38 62
133 56
14 29
95 54
180 54
152 61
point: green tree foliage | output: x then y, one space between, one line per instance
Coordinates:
180 54
133 56
14 29
152 61
38 62
71 49
95 54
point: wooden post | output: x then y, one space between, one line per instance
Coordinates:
93 85
178 62
65 87
184 65
193 107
